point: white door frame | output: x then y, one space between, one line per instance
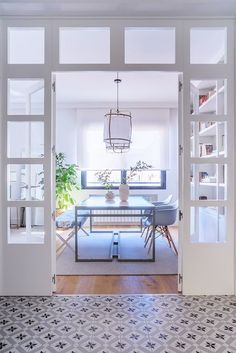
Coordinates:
43 285
208 268
28 267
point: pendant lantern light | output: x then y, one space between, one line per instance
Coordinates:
117 126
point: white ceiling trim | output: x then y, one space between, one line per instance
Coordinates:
103 105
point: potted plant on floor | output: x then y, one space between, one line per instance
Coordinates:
103 177
66 183
124 186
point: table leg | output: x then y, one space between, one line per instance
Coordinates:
153 237
76 236
141 221
91 222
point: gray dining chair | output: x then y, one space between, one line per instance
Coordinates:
155 203
164 216
164 202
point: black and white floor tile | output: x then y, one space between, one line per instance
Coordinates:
122 323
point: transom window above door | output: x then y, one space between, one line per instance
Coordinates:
26 45
84 45
146 45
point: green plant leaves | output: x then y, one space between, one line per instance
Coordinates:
66 182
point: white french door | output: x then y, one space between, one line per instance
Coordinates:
208 155
27 158
180 181
206 261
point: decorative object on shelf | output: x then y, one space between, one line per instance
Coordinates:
203 176
124 187
206 149
66 183
103 177
203 197
117 127
202 98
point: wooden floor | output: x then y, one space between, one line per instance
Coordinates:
149 284
117 284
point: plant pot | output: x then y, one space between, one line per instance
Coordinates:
59 211
124 192
109 195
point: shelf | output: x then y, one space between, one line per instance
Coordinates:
213 154
211 184
208 131
222 185
210 104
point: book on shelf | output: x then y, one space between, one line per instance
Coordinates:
205 149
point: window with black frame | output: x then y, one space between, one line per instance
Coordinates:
146 179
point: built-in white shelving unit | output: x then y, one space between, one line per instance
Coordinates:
208 180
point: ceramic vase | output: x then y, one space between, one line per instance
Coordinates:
124 192
109 195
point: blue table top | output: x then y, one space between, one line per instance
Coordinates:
100 203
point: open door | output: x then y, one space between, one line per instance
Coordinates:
181 184
27 174
208 179
53 182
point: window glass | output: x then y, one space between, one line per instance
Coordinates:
208 45
208 224
208 97
208 181
155 179
25 45
147 45
25 225
84 45
25 182
31 141
208 139
90 179
147 178
25 97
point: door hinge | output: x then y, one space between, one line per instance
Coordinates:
54 86
180 278
180 215
54 216
181 149
54 279
180 86
54 150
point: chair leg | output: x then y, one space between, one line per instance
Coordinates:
170 240
83 230
146 233
65 242
150 245
166 235
144 228
148 236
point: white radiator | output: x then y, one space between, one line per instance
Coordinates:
118 220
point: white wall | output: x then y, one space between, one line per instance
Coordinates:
66 133
70 141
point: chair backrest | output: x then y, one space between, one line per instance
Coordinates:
165 215
164 202
168 199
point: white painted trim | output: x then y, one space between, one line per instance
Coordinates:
195 281
117 64
104 105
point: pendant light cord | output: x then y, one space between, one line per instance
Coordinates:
117 81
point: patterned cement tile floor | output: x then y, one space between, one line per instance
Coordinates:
122 323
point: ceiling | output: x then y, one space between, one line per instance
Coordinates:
126 8
98 88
